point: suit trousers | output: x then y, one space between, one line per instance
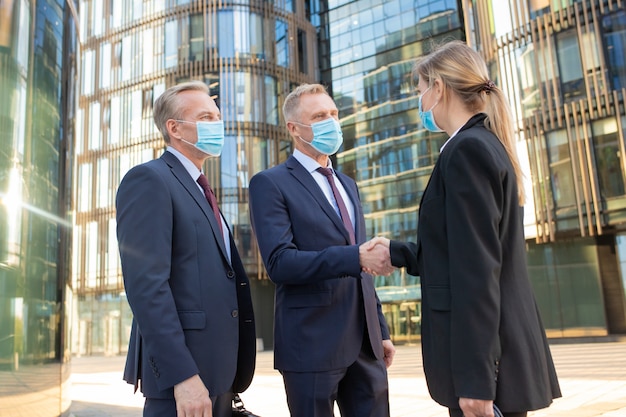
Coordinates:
456 412
156 407
361 390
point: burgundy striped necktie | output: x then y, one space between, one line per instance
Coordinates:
343 211
210 196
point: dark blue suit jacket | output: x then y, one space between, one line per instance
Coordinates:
191 305
323 302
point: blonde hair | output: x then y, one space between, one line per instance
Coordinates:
463 71
292 101
167 106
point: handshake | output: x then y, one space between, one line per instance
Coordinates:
375 258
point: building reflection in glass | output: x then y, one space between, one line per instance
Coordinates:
370 54
36 80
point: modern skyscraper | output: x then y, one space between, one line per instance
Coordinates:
563 65
37 81
250 54
368 49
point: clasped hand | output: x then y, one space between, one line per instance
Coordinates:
375 257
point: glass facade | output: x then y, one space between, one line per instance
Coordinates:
37 80
250 54
367 52
562 65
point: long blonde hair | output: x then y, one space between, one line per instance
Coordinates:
463 71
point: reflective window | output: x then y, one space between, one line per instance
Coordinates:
570 65
171 44
147 50
103 199
562 179
614 34
608 158
196 37
226 44
105 65
303 64
94 125
282 43
88 71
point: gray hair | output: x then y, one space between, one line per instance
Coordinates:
167 106
292 101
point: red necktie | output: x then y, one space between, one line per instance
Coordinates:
343 211
210 196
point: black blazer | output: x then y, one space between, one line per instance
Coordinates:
482 336
323 301
191 305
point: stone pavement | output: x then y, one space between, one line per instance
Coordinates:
592 377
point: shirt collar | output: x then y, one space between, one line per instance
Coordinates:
189 166
309 163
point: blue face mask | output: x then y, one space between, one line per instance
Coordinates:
210 137
327 136
427 117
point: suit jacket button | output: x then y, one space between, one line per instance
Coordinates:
234 313
230 274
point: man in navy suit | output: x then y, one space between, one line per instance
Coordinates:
331 339
192 342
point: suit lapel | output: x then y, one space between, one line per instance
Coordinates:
306 179
181 174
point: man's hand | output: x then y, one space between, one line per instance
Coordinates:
476 408
375 258
390 351
192 398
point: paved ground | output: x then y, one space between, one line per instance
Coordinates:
592 377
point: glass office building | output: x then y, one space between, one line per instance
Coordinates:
368 48
249 53
37 79
563 65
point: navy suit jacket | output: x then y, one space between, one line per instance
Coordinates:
482 335
324 303
191 305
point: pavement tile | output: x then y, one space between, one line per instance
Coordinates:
592 377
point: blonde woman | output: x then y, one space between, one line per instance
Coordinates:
483 342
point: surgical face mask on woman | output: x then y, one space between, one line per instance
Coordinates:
210 137
427 117
327 136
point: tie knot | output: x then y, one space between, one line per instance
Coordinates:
325 171
203 181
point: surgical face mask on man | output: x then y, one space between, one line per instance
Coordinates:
327 136
210 137
427 117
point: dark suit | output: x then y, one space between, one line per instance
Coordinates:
191 304
326 309
482 336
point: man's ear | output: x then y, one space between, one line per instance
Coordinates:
172 127
291 127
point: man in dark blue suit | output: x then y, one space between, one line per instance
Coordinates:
192 342
331 339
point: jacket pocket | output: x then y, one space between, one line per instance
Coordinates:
192 319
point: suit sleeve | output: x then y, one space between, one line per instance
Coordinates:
284 261
144 231
474 197
404 255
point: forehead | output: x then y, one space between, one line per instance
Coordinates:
195 103
315 103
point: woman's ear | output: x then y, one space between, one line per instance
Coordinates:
438 89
